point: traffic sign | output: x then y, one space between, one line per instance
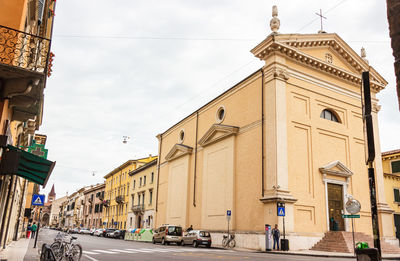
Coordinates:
37 200
280 209
228 213
350 216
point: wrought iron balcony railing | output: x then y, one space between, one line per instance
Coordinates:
138 208
106 203
23 50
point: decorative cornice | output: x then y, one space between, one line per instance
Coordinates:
177 151
290 49
209 137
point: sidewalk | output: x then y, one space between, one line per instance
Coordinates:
16 250
326 254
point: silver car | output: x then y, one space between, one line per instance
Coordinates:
197 238
168 234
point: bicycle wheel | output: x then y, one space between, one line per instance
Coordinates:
75 253
225 242
232 243
58 250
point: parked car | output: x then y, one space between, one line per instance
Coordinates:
168 234
99 232
119 234
85 231
110 232
197 238
74 230
92 230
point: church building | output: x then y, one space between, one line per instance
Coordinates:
291 132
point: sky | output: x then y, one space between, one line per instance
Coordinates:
136 67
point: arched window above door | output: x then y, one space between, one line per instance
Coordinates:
330 115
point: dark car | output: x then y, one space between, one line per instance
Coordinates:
109 232
119 234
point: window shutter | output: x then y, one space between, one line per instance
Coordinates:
40 10
396 195
395 166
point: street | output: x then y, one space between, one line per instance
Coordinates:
99 249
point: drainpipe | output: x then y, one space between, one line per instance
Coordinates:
195 160
158 169
262 133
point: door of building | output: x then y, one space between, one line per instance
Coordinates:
397 224
335 205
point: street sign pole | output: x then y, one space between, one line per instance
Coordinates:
228 217
352 230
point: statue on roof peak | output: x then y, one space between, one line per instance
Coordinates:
275 22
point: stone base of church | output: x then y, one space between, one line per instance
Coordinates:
392 240
256 241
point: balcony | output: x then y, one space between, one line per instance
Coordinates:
90 200
120 199
106 203
137 208
23 69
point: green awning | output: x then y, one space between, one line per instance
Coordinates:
27 165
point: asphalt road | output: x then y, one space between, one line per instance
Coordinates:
101 249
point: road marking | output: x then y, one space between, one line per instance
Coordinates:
89 253
122 251
104 251
139 250
91 258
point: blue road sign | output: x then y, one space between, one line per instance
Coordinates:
37 200
228 213
281 211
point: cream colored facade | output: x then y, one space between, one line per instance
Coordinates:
142 196
265 141
391 174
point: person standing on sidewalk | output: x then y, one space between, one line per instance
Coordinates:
34 228
28 231
276 234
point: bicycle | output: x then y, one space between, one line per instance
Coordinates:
70 250
228 241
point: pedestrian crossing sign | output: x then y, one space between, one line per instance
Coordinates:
281 209
37 200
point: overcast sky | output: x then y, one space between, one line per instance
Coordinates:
135 67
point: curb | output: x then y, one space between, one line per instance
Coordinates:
316 255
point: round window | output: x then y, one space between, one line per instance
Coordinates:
181 135
220 116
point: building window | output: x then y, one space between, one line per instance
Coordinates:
130 222
144 180
140 182
396 195
152 177
220 115
329 115
395 166
151 197
139 199
134 183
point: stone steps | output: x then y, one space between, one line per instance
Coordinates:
341 241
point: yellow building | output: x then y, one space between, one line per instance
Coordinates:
291 132
117 193
391 174
142 195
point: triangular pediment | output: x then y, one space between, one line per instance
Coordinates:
216 133
310 49
177 151
336 168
